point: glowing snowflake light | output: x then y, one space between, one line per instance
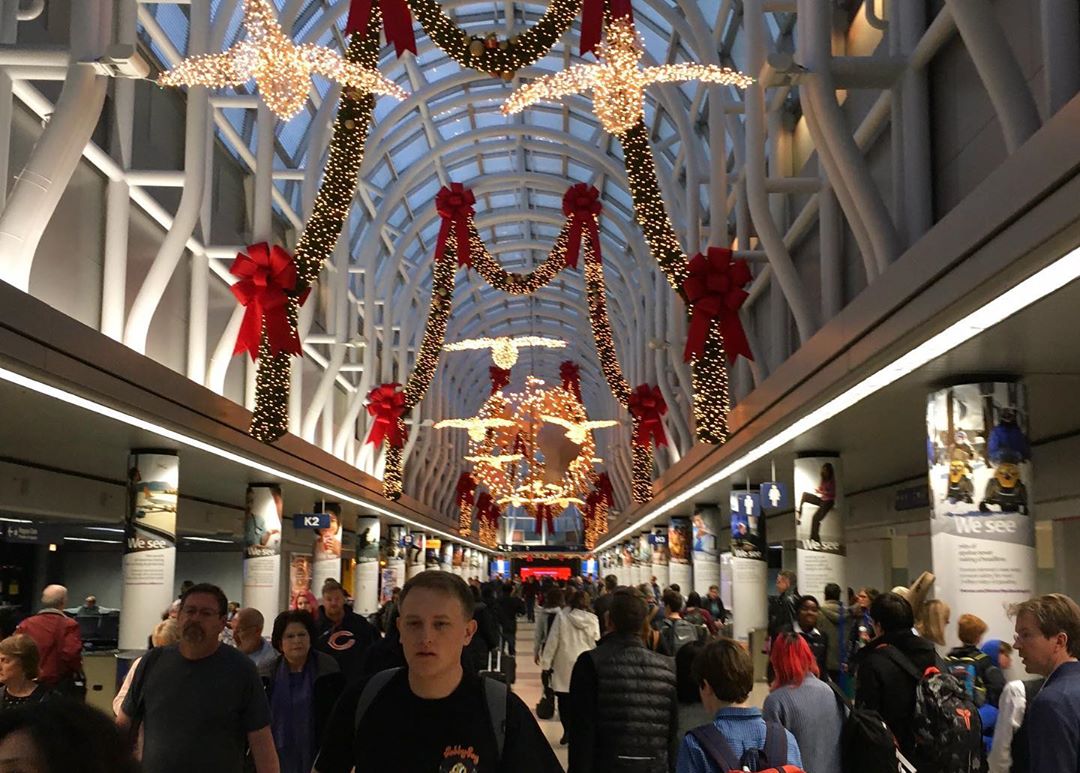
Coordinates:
504 350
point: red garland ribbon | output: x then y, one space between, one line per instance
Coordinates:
591 502
570 373
396 21
581 204
592 20
543 513
455 206
387 406
486 509
267 276
714 291
647 406
466 488
500 377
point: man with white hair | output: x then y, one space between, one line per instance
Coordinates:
58 642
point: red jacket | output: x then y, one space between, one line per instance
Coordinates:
59 645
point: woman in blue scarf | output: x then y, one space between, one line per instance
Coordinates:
303 685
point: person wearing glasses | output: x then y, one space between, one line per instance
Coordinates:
200 703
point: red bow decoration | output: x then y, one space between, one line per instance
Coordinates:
387 406
592 20
570 373
714 292
488 512
543 513
267 276
647 406
455 206
581 204
500 377
466 488
591 502
396 21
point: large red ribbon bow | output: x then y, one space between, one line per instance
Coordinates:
591 503
581 204
570 373
543 513
455 205
714 292
490 513
267 275
484 504
466 488
387 406
604 489
500 377
648 407
592 20
396 21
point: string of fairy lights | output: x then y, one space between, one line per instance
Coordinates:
282 71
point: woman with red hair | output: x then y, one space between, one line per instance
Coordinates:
804 704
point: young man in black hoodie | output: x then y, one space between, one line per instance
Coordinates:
881 684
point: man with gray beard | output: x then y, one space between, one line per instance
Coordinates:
200 703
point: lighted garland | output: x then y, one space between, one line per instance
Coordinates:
601 328
517 284
500 58
270 420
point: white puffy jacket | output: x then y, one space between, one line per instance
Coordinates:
573 632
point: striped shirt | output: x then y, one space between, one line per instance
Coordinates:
743 728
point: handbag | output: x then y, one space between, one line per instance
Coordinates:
545 709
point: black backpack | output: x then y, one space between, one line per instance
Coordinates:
948 729
866 743
676 634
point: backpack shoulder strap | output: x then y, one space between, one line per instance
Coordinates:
497 696
902 661
371 691
715 746
845 704
776 748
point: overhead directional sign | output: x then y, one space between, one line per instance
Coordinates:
774 495
311 520
746 503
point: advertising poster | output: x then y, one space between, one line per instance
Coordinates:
366 588
327 547
262 548
431 551
642 559
149 563
705 550
982 535
476 559
749 564
393 574
819 523
446 557
658 540
459 560
300 593
626 561
414 554
679 544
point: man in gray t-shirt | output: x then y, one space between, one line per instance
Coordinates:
200 703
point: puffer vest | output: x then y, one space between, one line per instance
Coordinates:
634 707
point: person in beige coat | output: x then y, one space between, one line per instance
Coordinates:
575 630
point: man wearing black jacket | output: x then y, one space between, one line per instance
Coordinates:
881 684
344 635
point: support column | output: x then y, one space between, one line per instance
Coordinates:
366 575
476 560
326 550
149 563
446 557
393 570
705 549
642 559
982 533
749 565
626 563
819 522
658 540
679 543
458 567
262 549
414 554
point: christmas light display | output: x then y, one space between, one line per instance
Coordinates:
281 69
466 488
489 54
576 431
477 427
517 284
504 350
618 83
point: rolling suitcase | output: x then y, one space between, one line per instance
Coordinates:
501 667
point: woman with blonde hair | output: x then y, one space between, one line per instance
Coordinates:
19 661
933 621
165 633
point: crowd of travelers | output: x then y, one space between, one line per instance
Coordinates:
644 680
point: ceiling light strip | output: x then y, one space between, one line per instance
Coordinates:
1029 291
134 421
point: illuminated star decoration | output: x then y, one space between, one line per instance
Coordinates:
618 82
504 350
476 426
576 431
281 69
